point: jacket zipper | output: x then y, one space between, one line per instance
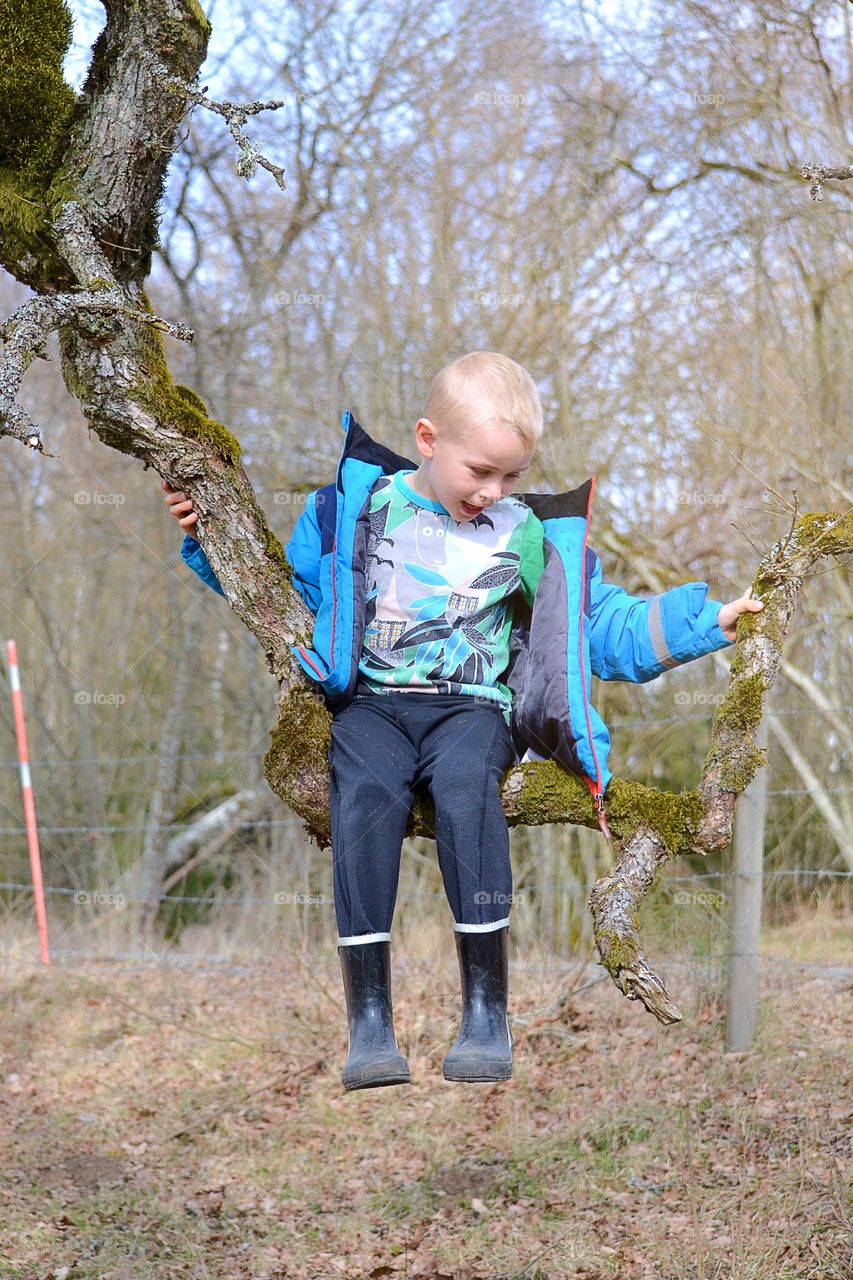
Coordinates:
594 785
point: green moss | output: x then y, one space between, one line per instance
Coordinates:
737 719
26 237
36 106
199 17
550 789
38 31
830 531
192 397
736 774
180 406
617 952
766 623
181 35
547 788
741 709
299 747
301 735
274 547
674 816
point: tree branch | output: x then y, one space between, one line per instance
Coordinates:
819 174
88 257
729 765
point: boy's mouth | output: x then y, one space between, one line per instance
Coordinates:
469 510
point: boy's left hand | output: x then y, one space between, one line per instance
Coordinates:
729 613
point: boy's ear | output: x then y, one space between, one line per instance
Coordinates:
425 436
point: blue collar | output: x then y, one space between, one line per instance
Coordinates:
418 498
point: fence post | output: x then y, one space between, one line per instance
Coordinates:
747 858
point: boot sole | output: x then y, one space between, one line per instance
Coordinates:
476 1073
376 1076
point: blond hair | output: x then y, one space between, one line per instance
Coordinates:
481 387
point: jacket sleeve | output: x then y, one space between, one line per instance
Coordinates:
192 553
637 638
302 552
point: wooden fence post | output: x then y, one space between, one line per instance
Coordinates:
746 876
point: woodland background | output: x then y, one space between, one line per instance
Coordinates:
610 194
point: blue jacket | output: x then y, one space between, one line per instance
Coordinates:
579 626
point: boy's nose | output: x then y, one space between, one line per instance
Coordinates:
488 494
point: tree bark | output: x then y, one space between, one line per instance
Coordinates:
88 259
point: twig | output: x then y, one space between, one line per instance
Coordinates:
819 174
235 115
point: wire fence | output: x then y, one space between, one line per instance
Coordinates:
570 886
211 962
216 899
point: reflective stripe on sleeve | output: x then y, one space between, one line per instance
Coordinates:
662 653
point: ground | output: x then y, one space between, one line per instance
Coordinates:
161 1123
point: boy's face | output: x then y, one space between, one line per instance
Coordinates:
467 473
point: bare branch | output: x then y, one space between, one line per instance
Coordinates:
235 115
819 174
25 335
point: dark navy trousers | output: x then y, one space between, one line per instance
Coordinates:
384 747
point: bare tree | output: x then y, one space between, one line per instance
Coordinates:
81 182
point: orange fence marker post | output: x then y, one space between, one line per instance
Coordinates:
29 802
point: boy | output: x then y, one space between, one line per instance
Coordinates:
428 585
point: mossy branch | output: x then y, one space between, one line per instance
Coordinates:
79 185
729 766
650 827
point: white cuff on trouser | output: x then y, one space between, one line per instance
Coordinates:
481 928
363 937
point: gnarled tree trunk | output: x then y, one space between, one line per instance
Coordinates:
78 220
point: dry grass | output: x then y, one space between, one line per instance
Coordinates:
192 1124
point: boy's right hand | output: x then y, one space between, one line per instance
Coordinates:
181 508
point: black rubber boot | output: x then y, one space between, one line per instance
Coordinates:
373 1058
483 1048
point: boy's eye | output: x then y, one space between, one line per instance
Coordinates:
476 471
